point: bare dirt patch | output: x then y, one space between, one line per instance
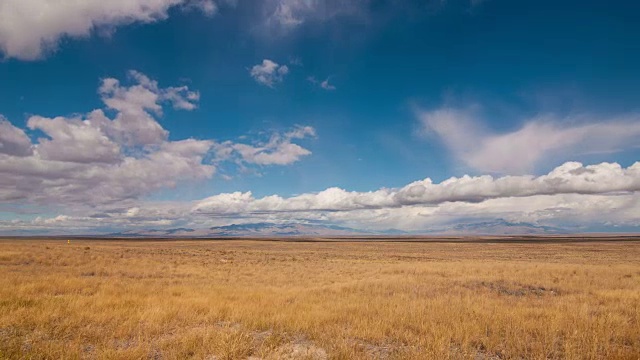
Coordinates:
513 289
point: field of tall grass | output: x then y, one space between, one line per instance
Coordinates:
318 300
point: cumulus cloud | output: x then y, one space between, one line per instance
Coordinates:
38 179
100 160
137 105
29 29
572 196
520 150
268 72
73 140
279 150
13 141
569 178
94 159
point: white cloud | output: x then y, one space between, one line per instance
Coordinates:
573 212
136 106
207 6
48 181
325 85
95 159
33 29
291 13
29 29
98 160
572 196
569 178
284 15
73 140
279 150
268 72
13 141
322 84
577 212
281 154
539 138
300 132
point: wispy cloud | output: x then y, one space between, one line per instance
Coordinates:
539 138
321 84
285 15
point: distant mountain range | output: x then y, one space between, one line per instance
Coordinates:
266 229
501 227
262 229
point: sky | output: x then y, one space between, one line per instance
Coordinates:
375 115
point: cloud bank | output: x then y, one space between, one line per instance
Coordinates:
572 196
569 178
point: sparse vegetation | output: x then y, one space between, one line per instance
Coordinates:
318 300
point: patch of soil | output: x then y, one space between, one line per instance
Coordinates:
512 289
300 348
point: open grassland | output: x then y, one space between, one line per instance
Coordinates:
319 300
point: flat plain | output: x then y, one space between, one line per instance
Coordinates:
503 298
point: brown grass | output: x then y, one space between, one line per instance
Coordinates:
318 300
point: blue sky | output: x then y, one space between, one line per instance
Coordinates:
288 98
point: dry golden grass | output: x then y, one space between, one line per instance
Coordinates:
317 300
